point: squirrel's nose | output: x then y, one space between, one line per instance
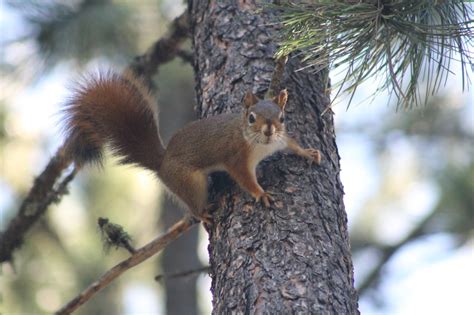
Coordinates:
268 130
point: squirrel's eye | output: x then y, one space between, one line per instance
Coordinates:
252 118
282 119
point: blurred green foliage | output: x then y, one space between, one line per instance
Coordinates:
409 45
455 208
438 141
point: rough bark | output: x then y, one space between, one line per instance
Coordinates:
295 256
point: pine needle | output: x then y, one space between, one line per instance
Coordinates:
412 41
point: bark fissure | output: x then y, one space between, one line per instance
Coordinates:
293 257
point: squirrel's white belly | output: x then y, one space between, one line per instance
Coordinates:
261 151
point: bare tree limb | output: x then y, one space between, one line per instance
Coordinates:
163 50
43 193
139 256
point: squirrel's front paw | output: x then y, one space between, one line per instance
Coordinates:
205 217
314 155
265 198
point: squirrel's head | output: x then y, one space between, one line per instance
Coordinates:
264 120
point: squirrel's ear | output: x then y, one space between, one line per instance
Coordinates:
250 99
281 99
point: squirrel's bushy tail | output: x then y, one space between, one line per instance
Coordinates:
114 110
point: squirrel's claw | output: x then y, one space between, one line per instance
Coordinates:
265 198
313 155
204 217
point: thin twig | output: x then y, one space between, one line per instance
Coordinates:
183 273
139 256
42 194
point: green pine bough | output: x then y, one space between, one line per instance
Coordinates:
410 45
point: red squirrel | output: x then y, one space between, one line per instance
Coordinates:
118 110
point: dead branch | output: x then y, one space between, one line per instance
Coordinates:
43 193
136 258
163 50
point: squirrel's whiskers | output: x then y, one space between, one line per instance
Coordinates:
119 111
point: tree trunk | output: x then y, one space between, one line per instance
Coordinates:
293 257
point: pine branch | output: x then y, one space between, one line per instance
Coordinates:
136 258
403 42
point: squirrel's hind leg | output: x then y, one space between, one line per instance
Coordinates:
190 186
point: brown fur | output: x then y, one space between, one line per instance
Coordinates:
281 99
118 110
